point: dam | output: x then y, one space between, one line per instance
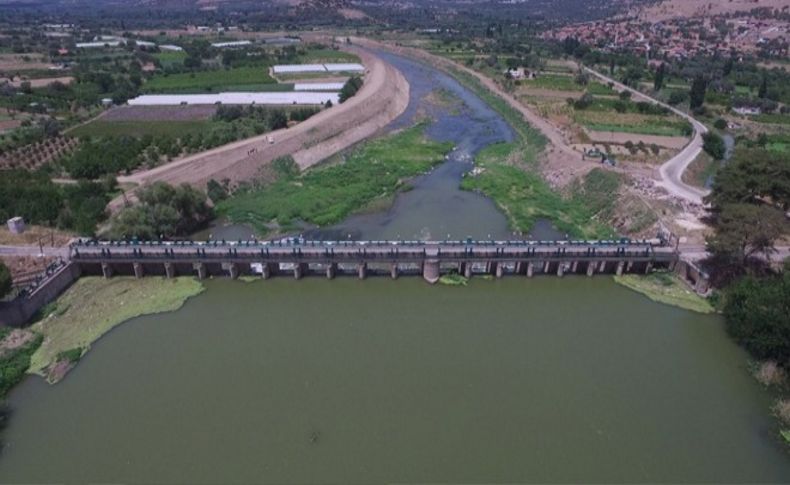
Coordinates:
430 259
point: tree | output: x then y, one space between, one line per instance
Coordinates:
658 82
164 211
697 93
6 281
763 92
744 230
757 315
350 88
714 145
753 176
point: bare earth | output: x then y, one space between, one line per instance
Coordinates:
382 98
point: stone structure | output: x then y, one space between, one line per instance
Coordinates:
362 259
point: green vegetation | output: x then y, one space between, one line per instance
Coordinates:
774 118
453 279
757 312
164 211
110 147
714 145
350 88
666 288
208 80
525 197
35 197
94 305
644 124
326 195
100 128
15 361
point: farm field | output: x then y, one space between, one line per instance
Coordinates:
632 123
208 80
159 113
177 129
170 58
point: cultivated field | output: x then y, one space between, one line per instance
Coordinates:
159 113
209 80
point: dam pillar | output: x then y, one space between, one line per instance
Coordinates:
602 267
561 269
394 271
430 271
330 271
266 271
467 270
106 270
461 268
620 266
500 269
590 268
574 267
629 266
298 271
170 270
232 269
546 266
648 267
530 270
201 270
138 270
362 270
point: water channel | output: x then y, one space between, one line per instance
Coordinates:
542 380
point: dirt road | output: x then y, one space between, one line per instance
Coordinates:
384 96
671 172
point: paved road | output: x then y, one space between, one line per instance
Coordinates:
34 250
672 171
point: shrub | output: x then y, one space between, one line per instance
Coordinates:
757 314
714 145
720 124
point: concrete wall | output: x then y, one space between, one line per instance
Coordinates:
17 312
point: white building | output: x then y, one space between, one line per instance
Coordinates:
235 43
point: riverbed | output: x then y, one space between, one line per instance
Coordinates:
348 381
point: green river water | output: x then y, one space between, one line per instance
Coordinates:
348 381
543 380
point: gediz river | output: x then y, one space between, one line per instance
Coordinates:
516 380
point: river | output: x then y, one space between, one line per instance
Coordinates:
517 380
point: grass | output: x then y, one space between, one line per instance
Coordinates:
524 196
773 118
637 124
176 129
666 288
170 58
95 305
209 80
326 195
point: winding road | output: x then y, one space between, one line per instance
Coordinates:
671 171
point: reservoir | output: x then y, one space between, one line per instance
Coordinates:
515 380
